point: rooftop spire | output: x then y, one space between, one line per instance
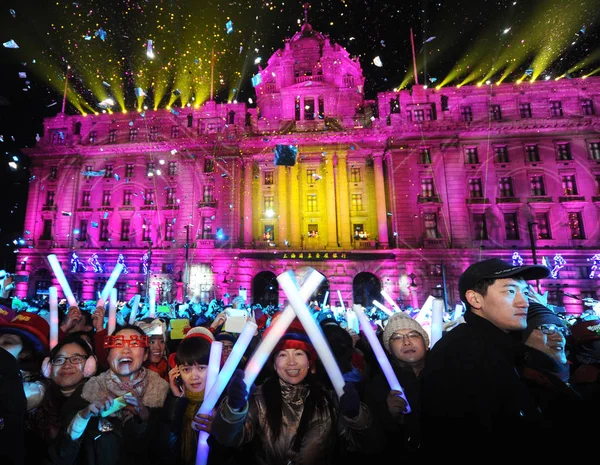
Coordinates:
306 8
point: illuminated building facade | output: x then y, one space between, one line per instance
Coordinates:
399 193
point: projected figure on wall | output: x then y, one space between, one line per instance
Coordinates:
77 265
121 260
95 263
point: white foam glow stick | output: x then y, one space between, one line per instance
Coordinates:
352 321
339 293
458 311
437 321
62 280
116 272
134 308
383 308
152 298
382 358
389 300
325 300
112 312
277 329
53 301
214 363
286 281
149 51
237 352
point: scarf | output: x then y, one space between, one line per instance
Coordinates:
189 437
544 363
162 368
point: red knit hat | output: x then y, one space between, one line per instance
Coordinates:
197 331
295 337
585 331
31 326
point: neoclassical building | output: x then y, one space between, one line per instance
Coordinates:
399 193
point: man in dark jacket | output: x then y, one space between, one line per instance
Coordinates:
471 387
13 406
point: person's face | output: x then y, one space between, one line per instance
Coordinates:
552 345
126 361
227 346
292 365
408 346
505 304
69 374
157 348
194 376
12 343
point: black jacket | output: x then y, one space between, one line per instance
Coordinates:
13 406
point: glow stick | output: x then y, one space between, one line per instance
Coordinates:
134 308
458 311
437 321
62 280
214 363
389 300
53 301
352 321
112 312
237 352
110 284
152 297
383 308
382 358
325 300
277 329
286 281
339 293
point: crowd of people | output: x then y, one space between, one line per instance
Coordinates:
506 381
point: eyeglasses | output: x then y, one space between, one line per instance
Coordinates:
552 329
73 360
111 342
400 337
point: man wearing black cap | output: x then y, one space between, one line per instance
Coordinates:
471 386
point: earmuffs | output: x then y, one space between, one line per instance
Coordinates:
89 368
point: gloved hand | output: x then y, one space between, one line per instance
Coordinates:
350 401
236 390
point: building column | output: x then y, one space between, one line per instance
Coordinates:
282 213
380 200
331 214
295 206
344 235
248 168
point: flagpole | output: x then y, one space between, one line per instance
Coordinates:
212 74
412 44
64 102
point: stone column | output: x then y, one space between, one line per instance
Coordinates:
282 210
343 204
330 202
247 199
380 200
295 206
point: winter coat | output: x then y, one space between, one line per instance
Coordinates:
13 406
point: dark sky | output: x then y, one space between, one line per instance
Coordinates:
105 42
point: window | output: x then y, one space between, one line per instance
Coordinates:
356 202
505 186
594 148
93 136
511 226
576 225
525 110
563 151
532 152
495 112
209 165
500 154
268 177
536 182
172 168
47 231
208 193
207 228
149 197
427 189
127 194
88 169
174 132
475 189
146 230
359 231
587 107
424 156
569 185
170 196
104 230
395 105
50 198
150 168
355 175
471 155
169 231
58 138
108 171
125 227
430 223
311 203
466 114
556 108
129 170
311 175
597 180
133 134
85 198
309 108
543 225
297 109
313 230
53 173
112 136
153 133
479 226
321 107
269 233
83 230
269 203
417 115
106 198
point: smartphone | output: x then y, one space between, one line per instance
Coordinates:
117 405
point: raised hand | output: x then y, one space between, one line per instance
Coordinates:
175 388
236 390
202 422
396 404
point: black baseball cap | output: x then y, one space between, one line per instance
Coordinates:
494 268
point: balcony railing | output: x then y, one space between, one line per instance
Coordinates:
317 78
508 200
539 199
207 204
365 244
428 199
571 198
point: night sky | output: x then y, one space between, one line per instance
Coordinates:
106 45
